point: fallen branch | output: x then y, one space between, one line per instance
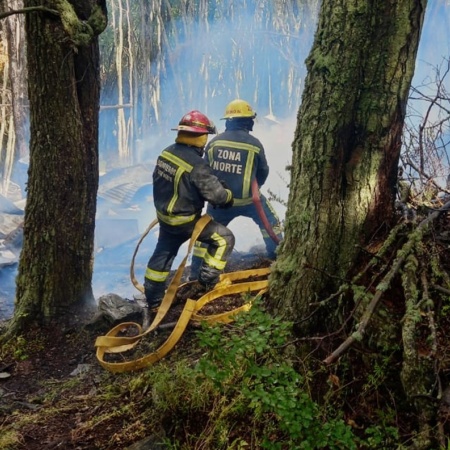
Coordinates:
384 284
126 105
441 289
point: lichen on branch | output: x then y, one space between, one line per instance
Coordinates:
81 32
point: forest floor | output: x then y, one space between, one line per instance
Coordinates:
49 378
54 394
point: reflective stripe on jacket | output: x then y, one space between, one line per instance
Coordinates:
237 157
182 182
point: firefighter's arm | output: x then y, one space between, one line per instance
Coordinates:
210 188
262 169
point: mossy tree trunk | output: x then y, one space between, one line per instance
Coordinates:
55 268
346 147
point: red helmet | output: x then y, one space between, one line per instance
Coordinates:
196 122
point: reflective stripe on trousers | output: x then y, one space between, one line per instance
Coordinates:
219 242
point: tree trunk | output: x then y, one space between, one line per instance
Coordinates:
343 184
55 268
15 30
15 78
346 146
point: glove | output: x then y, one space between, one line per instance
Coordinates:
230 202
227 205
224 184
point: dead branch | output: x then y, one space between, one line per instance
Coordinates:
383 285
441 289
430 313
126 105
3 15
428 178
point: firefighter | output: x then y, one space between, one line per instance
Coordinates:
237 158
182 183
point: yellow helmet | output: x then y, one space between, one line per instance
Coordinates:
239 108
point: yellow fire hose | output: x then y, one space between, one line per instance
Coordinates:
112 343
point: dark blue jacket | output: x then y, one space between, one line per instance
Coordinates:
182 183
237 157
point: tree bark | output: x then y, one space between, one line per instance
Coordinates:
346 147
55 268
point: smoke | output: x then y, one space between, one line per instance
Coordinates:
249 52
256 53
204 64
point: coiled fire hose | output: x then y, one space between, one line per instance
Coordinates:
229 283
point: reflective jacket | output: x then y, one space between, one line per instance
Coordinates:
237 157
182 182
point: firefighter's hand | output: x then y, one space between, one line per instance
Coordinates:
224 184
227 205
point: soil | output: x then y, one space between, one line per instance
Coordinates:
51 356
56 370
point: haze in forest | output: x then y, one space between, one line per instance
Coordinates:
262 66
205 68
275 124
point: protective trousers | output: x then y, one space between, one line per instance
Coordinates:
219 242
225 216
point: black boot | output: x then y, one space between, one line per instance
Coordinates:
196 290
208 276
154 293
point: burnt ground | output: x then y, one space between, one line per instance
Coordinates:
48 377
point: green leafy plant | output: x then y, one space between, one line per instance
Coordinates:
20 352
379 437
247 365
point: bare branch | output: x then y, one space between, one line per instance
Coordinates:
28 10
404 252
430 179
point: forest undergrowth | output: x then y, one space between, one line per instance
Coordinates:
379 381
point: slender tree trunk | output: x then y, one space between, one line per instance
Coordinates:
15 26
346 147
5 121
15 75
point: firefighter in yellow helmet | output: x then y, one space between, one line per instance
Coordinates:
237 158
182 183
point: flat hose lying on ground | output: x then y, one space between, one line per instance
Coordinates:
112 343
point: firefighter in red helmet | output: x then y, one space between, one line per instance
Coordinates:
182 183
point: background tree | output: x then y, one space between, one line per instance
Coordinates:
14 126
160 58
55 268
